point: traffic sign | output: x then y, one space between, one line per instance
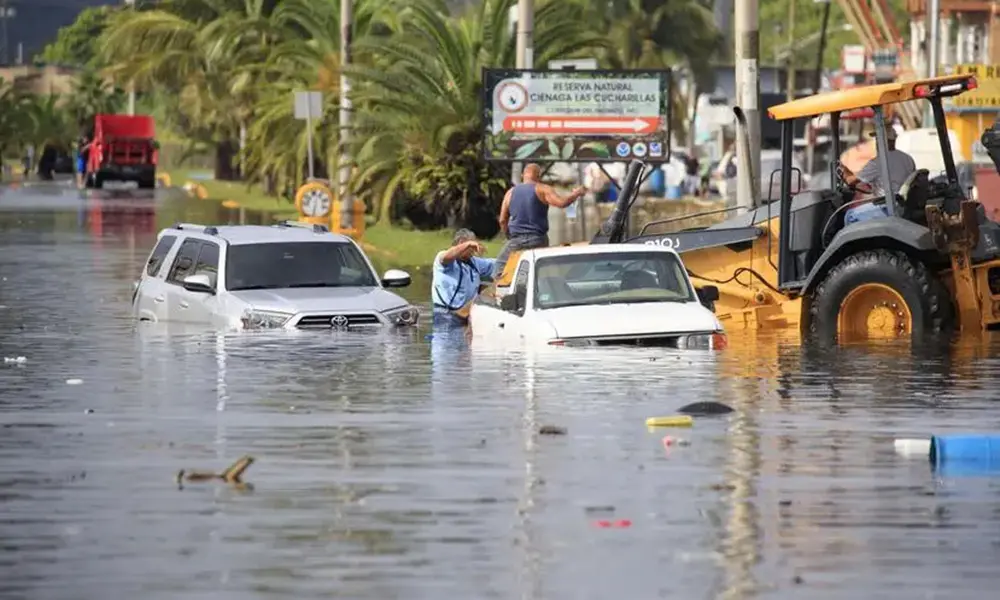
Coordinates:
314 199
308 105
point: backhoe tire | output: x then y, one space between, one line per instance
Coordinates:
869 288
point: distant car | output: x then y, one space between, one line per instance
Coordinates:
599 295
290 275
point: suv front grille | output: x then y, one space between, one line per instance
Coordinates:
327 321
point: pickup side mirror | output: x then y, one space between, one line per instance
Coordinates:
509 303
394 278
708 294
200 283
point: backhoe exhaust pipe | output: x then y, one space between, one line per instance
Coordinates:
613 229
741 122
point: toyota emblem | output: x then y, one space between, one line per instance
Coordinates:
339 321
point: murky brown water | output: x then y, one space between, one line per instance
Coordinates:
402 466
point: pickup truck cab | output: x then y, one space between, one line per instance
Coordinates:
600 294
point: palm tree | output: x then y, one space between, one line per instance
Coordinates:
418 132
653 34
308 58
198 50
92 95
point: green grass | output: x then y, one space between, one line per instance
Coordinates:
400 247
413 248
251 198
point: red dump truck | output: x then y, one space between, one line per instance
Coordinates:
123 148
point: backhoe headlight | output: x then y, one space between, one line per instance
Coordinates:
264 319
703 341
406 315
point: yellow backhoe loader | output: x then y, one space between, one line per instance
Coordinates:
930 264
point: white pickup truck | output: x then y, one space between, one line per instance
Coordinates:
600 294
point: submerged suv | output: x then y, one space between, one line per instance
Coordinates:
290 275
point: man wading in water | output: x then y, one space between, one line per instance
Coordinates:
524 214
458 272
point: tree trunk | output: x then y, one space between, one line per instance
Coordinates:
225 169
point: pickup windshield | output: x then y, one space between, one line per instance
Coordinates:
296 265
613 278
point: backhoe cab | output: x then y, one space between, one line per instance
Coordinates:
929 264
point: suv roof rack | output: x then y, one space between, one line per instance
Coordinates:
206 229
316 227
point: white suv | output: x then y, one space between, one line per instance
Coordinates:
290 275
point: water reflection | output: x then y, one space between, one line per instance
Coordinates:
401 465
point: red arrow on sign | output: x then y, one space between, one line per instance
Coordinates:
550 124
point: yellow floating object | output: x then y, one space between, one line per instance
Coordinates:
164 179
231 204
675 421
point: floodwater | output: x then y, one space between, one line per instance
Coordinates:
406 466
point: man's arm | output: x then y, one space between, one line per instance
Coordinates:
505 210
550 197
451 254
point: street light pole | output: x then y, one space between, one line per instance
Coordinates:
748 97
525 53
131 83
344 191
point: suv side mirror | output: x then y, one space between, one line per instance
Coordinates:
200 283
708 294
395 278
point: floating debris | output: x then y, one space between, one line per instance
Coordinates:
702 409
551 430
74 381
233 475
14 360
673 421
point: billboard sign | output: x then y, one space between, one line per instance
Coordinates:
576 116
986 96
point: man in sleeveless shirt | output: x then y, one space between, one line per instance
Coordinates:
524 214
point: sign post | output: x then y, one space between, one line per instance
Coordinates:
309 105
314 199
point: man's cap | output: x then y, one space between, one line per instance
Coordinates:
462 235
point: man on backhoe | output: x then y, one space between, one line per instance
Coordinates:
869 179
524 214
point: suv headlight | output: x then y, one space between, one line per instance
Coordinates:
405 315
264 319
703 341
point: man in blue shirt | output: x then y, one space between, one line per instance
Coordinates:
457 274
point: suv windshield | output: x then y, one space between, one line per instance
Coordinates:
613 278
296 264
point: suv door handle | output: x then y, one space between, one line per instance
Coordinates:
184 304
159 299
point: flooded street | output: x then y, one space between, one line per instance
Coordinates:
408 465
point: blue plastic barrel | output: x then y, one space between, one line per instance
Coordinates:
674 192
966 454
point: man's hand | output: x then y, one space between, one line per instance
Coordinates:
579 192
476 247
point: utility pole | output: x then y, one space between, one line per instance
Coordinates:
525 53
748 97
790 67
934 14
131 83
344 191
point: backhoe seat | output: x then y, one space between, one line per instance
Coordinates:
914 193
